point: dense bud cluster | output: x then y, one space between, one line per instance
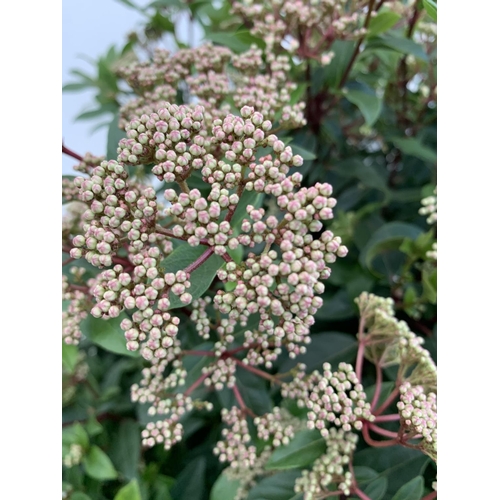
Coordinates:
160 391
74 455
334 398
391 342
278 426
329 468
418 412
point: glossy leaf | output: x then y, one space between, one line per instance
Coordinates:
368 103
224 488
412 490
335 70
107 334
130 491
126 449
98 465
299 150
399 44
69 357
382 22
200 279
414 147
277 487
377 488
303 449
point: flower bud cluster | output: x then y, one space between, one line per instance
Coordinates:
74 456
161 392
115 211
220 374
88 163
429 208
329 468
418 412
69 191
282 24
332 397
391 342
72 221
279 426
76 311
234 447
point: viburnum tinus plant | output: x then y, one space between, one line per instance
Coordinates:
249 272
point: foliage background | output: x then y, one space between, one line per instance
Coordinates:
477 202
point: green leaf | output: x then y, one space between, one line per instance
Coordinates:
69 357
224 488
75 434
76 87
364 474
327 347
412 490
382 22
238 42
399 44
368 103
431 8
126 448
93 113
78 495
335 70
388 237
414 147
200 279
429 282
299 150
277 487
107 334
191 481
162 23
377 488
302 450
98 465
114 136
130 491
337 307
247 198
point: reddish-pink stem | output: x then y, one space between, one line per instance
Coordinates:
198 353
381 431
360 494
170 234
258 372
377 444
200 260
392 396
359 360
74 155
388 418
196 384
242 404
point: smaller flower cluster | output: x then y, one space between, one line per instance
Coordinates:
391 342
418 412
160 391
77 309
88 163
279 426
332 397
234 447
329 468
74 456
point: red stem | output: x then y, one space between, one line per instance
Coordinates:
74 155
388 418
258 372
377 444
200 260
378 386
360 494
242 404
196 384
359 360
430 496
381 431
198 353
388 401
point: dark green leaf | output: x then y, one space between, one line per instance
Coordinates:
129 492
431 8
75 434
338 307
224 488
328 347
414 147
277 487
429 282
254 392
335 70
238 42
78 495
191 481
200 279
364 474
382 22
106 108
107 334
302 450
299 150
368 103
377 488
399 44
388 237
412 490
126 448
247 198
98 465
